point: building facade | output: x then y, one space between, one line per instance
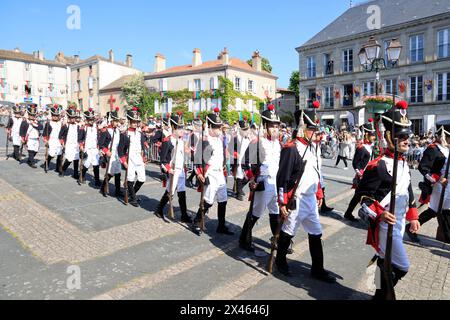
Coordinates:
89 76
330 70
204 76
31 78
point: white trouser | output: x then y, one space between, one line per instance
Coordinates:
217 187
115 167
93 158
307 214
16 139
33 144
266 199
136 168
72 152
179 182
54 148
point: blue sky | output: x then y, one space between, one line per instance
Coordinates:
173 28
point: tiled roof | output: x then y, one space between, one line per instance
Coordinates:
234 62
393 12
25 57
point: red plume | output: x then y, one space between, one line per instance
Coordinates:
135 109
316 104
245 118
117 109
180 113
370 120
402 105
90 109
271 107
216 110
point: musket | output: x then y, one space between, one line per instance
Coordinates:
46 149
172 177
235 145
387 272
81 178
203 186
8 137
125 198
106 180
441 219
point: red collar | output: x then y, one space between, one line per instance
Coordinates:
304 141
367 142
388 153
131 129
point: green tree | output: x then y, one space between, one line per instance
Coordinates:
265 64
294 84
136 94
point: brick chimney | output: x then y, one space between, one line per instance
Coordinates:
225 57
160 63
60 57
129 62
40 55
111 55
197 59
77 58
257 61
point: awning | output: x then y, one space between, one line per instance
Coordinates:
344 116
328 117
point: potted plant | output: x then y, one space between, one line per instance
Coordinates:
378 104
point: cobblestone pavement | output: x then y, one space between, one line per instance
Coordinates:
48 225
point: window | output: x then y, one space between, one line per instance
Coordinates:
443 87
311 66
250 86
80 88
197 84
329 98
348 60
237 84
386 45
417 126
214 83
369 88
416 48
27 89
416 85
328 64
391 84
347 100
444 43
312 97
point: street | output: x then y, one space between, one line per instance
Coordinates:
51 230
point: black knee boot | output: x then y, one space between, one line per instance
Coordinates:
49 160
138 185
423 218
316 250
274 223
66 165
31 155
103 187
117 180
198 217
284 241
16 153
76 169
222 228
59 160
351 207
162 204
84 170
324 207
397 275
239 187
132 194
183 207
97 176
246 239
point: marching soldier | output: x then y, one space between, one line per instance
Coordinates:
241 164
433 166
13 129
263 179
109 149
131 153
172 163
30 134
89 148
71 137
376 186
363 155
213 177
301 194
194 139
51 136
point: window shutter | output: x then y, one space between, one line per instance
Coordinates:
216 82
169 105
208 104
157 107
219 103
191 105
190 86
203 104
202 85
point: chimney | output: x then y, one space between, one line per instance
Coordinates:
35 54
17 49
60 57
129 60
225 57
40 55
197 60
111 55
77 58
160 62
257 61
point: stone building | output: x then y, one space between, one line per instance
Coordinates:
330 70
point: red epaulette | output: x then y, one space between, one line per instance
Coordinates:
166 139
433 146
374 164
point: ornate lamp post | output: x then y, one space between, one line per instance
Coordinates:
369 57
